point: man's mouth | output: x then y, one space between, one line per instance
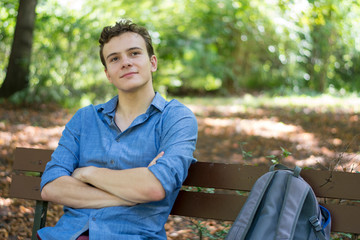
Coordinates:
128 74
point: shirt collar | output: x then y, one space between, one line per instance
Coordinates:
107 108
158 102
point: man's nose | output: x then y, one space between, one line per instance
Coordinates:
126 62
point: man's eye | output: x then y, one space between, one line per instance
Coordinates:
135 53
114 59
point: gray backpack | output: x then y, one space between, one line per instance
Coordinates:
281 205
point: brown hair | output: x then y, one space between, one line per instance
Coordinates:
120 27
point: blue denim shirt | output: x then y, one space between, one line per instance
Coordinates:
91 138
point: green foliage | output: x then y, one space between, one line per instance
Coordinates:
198 189
285 153
245 155
329 42
273 158
276 159
8 13
32 174
226 46
341 236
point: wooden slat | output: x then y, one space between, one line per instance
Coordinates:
226 207
28 159
204 205
223 175
25 187
329 184
344 218
240 177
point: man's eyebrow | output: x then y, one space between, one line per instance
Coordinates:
128 50
134 48
111 54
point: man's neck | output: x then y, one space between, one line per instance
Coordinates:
132 104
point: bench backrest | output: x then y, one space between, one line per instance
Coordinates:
216 190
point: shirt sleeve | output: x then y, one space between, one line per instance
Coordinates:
178 141
65 158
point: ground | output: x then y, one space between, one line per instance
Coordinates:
315 137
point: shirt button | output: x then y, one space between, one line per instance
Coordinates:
112 161
94 219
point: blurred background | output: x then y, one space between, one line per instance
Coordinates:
217 47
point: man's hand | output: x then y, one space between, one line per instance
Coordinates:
153 162
135 185
81 173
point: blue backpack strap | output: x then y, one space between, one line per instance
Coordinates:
243 221
326 221
321 226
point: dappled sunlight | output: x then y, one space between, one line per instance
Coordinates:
29 136
311 161
250 136
225 111
266 128
342 162
31 128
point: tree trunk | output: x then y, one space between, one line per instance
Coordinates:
17 74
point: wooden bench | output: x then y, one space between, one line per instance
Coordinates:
340 189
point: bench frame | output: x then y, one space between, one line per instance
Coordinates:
338 191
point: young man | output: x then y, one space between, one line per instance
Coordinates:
119 165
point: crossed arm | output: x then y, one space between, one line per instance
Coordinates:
92 187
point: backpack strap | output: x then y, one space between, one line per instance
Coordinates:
243 221
317 227
296 192
295 195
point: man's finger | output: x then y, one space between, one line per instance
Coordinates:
156 158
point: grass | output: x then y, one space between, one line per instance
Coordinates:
322 102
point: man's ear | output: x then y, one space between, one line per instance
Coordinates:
153 61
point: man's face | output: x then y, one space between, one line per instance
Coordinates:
128 66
